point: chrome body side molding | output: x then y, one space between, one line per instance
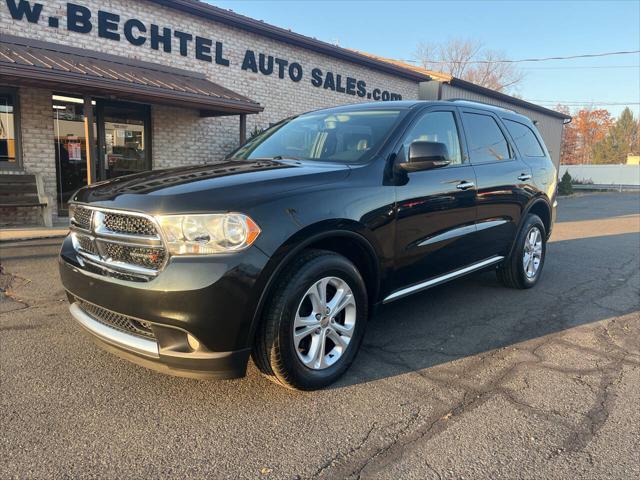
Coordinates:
490 224
442 279
448 235
461 231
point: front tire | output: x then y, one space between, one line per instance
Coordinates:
523 268
313 323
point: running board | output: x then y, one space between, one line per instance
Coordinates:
442 279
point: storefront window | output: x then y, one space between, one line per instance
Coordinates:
121 131
9 148
70 147
125 138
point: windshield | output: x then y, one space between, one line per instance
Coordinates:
344 136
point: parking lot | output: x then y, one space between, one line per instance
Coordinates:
468 380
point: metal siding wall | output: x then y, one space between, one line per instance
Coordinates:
549 127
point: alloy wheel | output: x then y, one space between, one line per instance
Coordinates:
532 253
324 323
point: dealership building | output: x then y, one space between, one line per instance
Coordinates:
92 90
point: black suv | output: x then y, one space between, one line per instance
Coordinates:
283 250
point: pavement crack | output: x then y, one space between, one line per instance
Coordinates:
598 414
341 456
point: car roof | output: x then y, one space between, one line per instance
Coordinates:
411 104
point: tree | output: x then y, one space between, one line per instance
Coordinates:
565 187
591 127
469 60
621 140
568 151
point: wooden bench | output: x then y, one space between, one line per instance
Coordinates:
25 191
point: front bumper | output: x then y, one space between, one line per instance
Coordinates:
198 311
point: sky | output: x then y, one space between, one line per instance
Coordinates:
520 29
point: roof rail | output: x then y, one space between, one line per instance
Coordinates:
479 102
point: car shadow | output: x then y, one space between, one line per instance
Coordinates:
477 314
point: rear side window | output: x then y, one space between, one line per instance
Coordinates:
525 139
487 143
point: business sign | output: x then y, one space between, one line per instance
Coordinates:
111 26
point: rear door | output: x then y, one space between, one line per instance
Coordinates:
502 181
436 209
534 153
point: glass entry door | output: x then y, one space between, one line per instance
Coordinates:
123 139
122 132
70 144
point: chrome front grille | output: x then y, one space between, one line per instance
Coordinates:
118 222
124 245
144 257
118 321
87 244
82 218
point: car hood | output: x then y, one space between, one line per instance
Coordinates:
223 186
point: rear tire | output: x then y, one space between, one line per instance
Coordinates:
523 268
307 339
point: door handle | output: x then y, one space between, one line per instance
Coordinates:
464 185
524 177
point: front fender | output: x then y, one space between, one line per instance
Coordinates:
338 228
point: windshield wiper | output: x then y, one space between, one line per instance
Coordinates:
288 157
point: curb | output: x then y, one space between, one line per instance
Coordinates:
34 237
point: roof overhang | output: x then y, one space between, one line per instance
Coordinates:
506 98
42 64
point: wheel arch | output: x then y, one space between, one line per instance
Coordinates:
345 237
540 206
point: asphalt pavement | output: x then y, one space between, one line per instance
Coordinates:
469 380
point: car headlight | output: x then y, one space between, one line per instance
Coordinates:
209 233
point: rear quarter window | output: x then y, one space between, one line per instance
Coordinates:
525 139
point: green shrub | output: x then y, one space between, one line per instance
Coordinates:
565 187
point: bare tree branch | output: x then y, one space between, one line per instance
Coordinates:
456 56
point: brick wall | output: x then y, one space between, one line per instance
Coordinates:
180 136
38 154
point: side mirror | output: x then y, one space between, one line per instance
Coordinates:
426 156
